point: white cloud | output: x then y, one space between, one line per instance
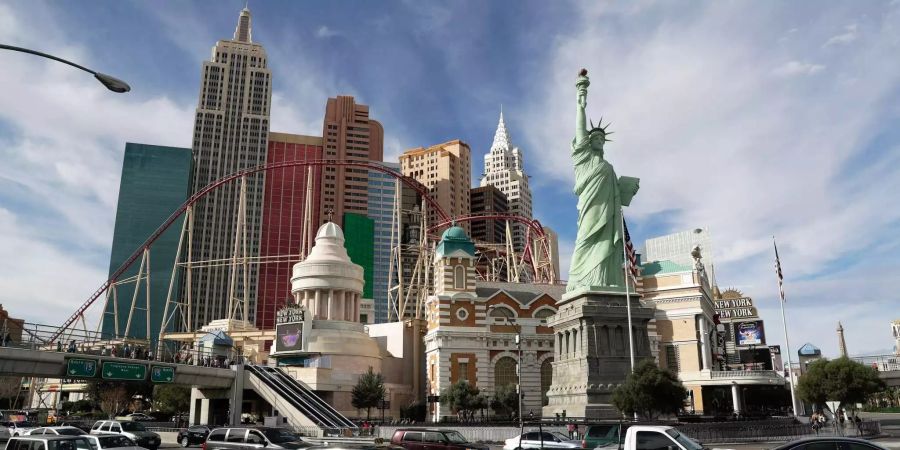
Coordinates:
793 68
718 141
324 32
849 35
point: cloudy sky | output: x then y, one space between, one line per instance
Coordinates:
751 118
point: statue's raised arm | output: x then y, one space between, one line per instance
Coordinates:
581 86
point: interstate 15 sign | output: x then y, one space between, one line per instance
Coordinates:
81 368
162 374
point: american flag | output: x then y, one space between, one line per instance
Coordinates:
631 265
778 271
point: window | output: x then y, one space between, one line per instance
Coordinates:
217 435
255 437
433 436
464 371
827 445
412 436
459 277
505 372
855 446
672 358
651 440
546 379
106 426
544 313
236 436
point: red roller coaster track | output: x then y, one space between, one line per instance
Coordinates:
534 225
408 181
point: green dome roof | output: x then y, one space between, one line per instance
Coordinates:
454 239
455 233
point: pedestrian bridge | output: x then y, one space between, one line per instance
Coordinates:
49 364
888 367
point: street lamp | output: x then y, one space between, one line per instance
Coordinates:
112 83
511 321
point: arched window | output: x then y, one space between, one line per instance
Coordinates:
546 379
604 340
505 372
502 311
543 314
459 277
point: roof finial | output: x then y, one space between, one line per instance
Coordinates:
330 214
243 32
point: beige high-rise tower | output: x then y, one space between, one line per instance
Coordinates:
445 169
842 345
231 130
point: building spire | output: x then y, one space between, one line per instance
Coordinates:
501 136
842 345
243 32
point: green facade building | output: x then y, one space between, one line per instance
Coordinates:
155 182
359 238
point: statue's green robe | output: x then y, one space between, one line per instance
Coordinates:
597 260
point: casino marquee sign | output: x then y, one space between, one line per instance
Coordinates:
735 308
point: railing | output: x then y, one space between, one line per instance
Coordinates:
41 338
743 373
881 363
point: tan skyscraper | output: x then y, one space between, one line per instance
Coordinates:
231 130
445 169
350 135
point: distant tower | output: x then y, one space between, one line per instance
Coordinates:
895 330
842 345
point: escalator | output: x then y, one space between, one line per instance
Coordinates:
278 388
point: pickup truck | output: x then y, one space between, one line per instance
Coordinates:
653 437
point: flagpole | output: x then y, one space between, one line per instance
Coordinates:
627 292
787 341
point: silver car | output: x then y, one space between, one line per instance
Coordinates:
59 431
136 431
112 441
532 439
49 442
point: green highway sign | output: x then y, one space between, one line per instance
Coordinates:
162 374
81 368
124 371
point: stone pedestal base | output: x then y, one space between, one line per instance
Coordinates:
592 351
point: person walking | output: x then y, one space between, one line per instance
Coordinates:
571 429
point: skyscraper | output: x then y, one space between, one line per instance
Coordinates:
155 182
382 194
284 206
231 130
349 135
505 169
488 200
676 247
446 170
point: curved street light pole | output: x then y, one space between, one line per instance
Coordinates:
112 83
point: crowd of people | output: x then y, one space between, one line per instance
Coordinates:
819 421
185 355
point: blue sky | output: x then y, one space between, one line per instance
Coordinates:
751 118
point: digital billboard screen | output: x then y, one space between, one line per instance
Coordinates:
750 333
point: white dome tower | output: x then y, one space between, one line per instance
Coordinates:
327 283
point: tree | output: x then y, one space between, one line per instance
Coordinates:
840 380
506 401
172 398
9 391
368 392
114 400
463 399
649 391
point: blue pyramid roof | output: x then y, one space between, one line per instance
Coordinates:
218 337
809 350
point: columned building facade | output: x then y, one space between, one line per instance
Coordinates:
505 169
231 131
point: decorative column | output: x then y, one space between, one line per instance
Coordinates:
704 344
736 398
317 306
330 315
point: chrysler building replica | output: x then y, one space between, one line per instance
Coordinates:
504 169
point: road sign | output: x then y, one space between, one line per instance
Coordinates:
162 374
124 371
81 368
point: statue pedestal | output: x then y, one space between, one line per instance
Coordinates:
591 350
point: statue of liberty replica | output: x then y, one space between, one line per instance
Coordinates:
592 346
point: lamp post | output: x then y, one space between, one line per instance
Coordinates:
112 83
511 321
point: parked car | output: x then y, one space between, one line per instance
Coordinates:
135 431
59 431
19 428
140 416
433 439
830 443
245 438
193 435
4 434
534 439
602 434
654 437
112 441
48 442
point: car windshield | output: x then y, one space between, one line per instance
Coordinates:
561 436
454 437
133 426
277 435
26 424
685 441
70 444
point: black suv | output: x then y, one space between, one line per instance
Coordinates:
247 438
433 439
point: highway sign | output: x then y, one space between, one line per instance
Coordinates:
124 371
162 374
81 368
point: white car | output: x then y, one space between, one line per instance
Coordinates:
60 431
139 416
532 439
110 441
136 431
4 434
19 428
